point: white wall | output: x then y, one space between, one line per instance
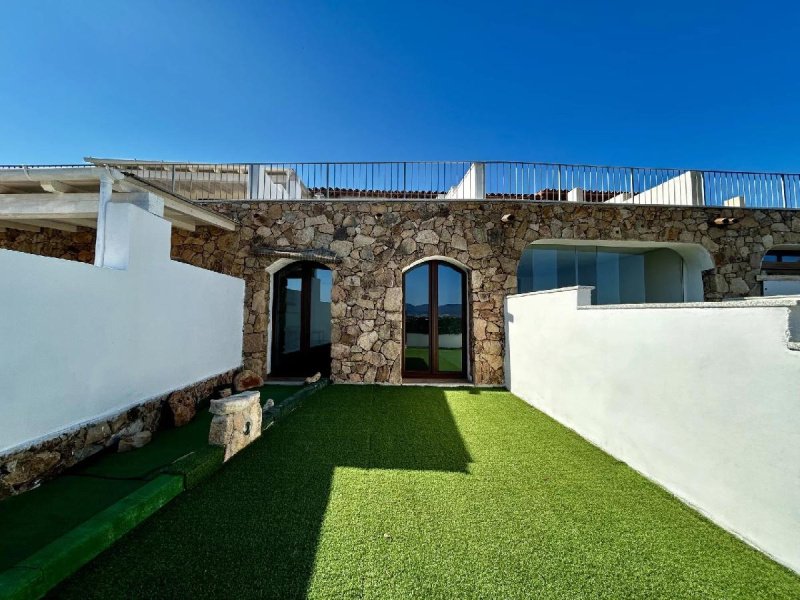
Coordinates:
78 342
472 186
703 398
685 189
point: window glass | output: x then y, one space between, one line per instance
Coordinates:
619 275
320 321
290 312
450 324
417 313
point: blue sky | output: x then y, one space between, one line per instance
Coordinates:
685 84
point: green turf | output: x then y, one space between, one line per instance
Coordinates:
31 520
449 359
382 492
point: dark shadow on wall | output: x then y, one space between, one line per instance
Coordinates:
253 529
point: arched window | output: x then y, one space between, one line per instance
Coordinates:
780 271
619 274
782 260
435 321
301 320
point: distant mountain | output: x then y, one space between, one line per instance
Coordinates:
422 310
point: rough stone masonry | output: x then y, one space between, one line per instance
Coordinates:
376 241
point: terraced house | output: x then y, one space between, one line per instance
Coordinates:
540 277
393 272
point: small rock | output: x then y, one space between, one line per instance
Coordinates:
136 440
314 378
225 392
246 380
268 404
97 433
183 407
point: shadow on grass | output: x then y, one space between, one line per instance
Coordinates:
253 528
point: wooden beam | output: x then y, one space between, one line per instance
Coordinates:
57 187
91 223
48 224
55 207
48 206
57 174
20 226
180 223
199 214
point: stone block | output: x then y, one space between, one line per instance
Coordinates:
236 422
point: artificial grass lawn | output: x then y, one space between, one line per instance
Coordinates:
32 520
385 492
449 359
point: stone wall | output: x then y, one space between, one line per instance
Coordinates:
26 468
52 242
376 241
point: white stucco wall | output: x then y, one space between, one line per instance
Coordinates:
703 398
685 189
78 342
472 186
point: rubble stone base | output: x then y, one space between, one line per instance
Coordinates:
22 470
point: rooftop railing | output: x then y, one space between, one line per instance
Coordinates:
466 180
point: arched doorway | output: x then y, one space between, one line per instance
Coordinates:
301 323
435 321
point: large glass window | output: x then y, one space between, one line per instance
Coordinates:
435 321
619 275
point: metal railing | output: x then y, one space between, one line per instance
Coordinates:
468 180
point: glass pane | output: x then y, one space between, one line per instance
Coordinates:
545 268
525 271
417 314
450 319
631 278
586 267
320 322
565 266
607 277
663 276
289 313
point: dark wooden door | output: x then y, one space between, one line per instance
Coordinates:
301 328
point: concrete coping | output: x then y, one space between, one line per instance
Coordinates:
748 302
235 404
754 302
